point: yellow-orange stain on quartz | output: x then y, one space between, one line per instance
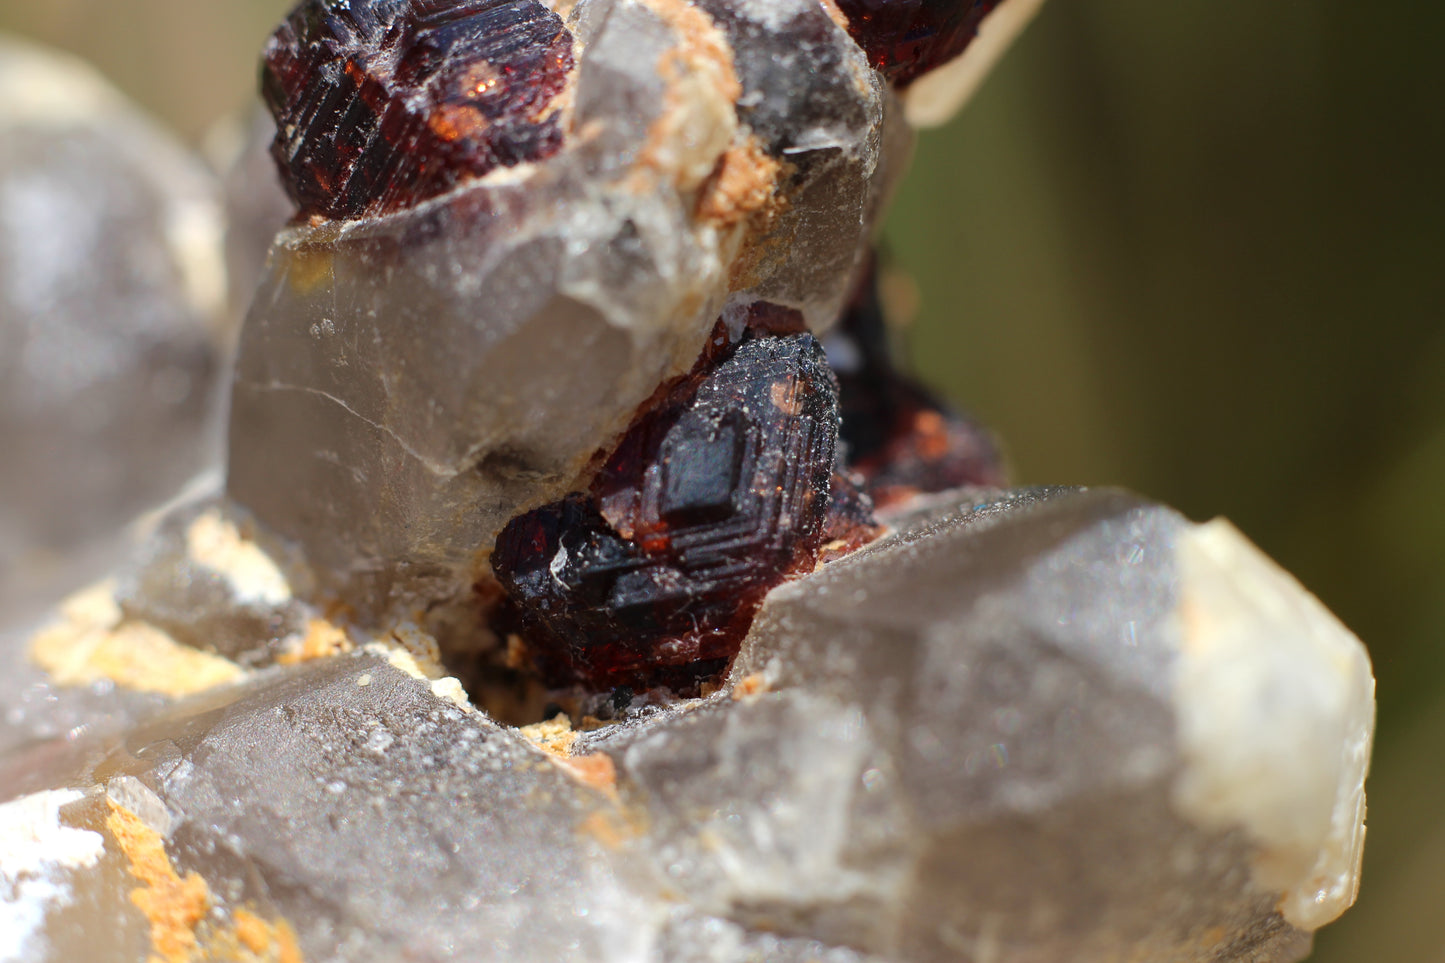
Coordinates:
173 905
743 187
176 907
92 640
322 639
595 769
750 685
556 737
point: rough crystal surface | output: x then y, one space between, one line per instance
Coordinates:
712 498
969 740
381 103
407 384
111 323
1021 727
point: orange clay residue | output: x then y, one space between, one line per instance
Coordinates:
322 639
594 769
612 829
174 906
554 737
743 186
251 938
750 685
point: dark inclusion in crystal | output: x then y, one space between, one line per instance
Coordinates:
380 104
898 437
905 39
719 492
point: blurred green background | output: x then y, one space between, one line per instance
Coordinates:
1195 248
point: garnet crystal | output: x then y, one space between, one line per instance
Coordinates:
383 103
715 495
905 39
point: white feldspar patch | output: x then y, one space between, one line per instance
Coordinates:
1276 711
216 543
36 851
936 96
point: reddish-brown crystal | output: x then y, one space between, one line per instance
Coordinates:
714 496
899 438
380 104
907 38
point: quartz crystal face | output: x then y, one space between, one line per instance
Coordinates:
907 38
380 103
714 496
616 418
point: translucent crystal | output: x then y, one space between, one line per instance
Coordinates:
407 384
111 323
981 736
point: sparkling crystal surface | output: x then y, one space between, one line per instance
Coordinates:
699 703
407 384
978 731
713 497
383 103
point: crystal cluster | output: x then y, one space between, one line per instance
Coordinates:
589 581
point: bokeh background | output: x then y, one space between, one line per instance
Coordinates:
1195 248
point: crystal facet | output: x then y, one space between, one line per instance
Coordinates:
714 496
380 104
907 38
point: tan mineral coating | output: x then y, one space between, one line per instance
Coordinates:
91 641
176 907
699 118
322 640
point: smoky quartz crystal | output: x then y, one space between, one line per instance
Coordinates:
588 578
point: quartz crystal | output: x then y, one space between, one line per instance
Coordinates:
409 383
112 323
589 581
991 735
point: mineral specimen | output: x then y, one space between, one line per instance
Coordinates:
380 103
993 735
398 397
112 325
712 498
582 304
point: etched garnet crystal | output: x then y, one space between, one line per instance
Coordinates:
905 39
382 103
715 495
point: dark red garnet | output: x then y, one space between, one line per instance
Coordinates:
897 436
380 104
718 493
907 38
